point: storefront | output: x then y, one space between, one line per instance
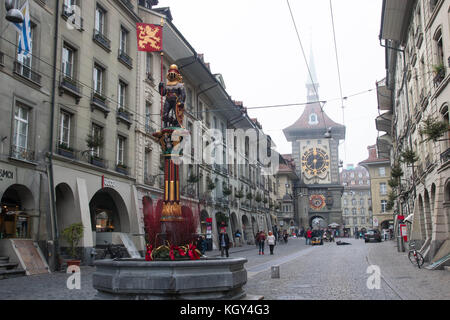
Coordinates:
19 202
106 204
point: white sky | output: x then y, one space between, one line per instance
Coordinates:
253 44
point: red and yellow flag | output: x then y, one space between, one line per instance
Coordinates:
149 37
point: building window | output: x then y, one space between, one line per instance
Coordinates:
346 211
353 202
21 126
188 99
148 111
64 131
361 202
68 56
383 188
122 94
121 150
98 79
383 205
149 65
25 61
345 202
147 161
313 119
382 171
123 41
100 15
363 220
354 211
363 211
97 135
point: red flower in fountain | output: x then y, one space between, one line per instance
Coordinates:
193 252
148 255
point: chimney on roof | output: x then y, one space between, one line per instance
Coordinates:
372 152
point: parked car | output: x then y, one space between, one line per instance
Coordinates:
372 235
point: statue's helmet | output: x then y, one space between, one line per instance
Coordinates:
173 73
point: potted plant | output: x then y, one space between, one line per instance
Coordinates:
226 190
65 150
210 184
396 171
239 194
73 234
122 168
433 128
409 156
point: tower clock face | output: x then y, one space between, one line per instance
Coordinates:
315 162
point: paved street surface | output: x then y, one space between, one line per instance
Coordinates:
327 272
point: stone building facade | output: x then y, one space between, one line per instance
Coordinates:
356 200
414 97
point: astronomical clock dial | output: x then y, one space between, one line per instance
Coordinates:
317 201
315 162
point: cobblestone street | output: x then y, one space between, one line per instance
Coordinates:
327 272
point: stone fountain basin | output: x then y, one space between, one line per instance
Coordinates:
207 278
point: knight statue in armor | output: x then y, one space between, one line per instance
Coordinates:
175 94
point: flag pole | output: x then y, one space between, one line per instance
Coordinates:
162 67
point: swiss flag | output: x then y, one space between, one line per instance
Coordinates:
149 37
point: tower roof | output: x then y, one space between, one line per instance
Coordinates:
313 118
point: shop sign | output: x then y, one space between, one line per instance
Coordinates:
375 222
404 232
6 174
108 183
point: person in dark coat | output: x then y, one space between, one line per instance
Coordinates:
224 243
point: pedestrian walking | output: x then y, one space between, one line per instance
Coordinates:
271 241
224 241
238 235
261 242
308 236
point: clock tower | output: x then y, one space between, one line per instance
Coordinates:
315 150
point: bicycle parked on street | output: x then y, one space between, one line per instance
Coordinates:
415 256
114 251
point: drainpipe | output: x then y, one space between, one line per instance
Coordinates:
55 234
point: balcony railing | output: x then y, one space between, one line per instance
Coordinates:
102 40
65 151
71 86
125 58
97 161
99 102
122 169
27 72
22 153
149 129
445 156
124 116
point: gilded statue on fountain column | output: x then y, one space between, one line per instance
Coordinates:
175 94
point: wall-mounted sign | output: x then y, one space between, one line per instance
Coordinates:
108 183
6 174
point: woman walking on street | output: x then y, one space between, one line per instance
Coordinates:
261 240
271 242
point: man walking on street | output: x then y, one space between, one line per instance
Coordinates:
224 243
308 236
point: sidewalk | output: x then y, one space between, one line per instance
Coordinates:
408 281
245 247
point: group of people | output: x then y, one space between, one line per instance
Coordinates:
324 234
260 240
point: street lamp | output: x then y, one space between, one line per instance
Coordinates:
12 14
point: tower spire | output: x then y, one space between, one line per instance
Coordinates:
312 85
